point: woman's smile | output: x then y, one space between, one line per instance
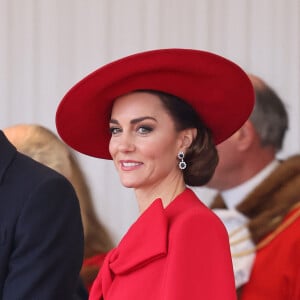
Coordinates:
129 165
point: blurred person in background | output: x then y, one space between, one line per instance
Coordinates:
254 184
41 235
44 146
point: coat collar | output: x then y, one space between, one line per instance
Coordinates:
272 200
7 153
151 229
129 256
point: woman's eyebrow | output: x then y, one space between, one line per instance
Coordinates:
113 121
137 120
134 121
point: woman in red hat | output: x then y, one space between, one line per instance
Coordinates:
158 115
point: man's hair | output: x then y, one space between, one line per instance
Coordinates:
269 116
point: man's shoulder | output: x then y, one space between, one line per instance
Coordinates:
286 236
25 179
23 166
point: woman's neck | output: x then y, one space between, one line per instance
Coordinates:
167 192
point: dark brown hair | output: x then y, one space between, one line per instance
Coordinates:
201 157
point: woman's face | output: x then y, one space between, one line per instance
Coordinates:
144 143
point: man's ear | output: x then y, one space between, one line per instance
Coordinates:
246 135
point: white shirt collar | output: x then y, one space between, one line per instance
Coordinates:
234 196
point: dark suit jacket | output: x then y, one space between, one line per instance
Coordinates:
41 236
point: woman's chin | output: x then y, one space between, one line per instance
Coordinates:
128 184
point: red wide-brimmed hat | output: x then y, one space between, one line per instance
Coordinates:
218 89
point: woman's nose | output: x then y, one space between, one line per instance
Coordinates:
126 143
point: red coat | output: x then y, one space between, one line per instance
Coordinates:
181 252
276 271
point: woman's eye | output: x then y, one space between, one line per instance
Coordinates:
144 129
114 130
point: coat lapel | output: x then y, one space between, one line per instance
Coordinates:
145 241
7 153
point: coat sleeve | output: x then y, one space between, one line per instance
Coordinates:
291 263
48 246
294 276
199 264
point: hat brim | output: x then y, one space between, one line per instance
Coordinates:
218 89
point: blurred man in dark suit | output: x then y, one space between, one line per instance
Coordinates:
41 236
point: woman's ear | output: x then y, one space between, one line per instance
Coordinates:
187 137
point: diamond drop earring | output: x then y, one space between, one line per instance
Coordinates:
182 163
